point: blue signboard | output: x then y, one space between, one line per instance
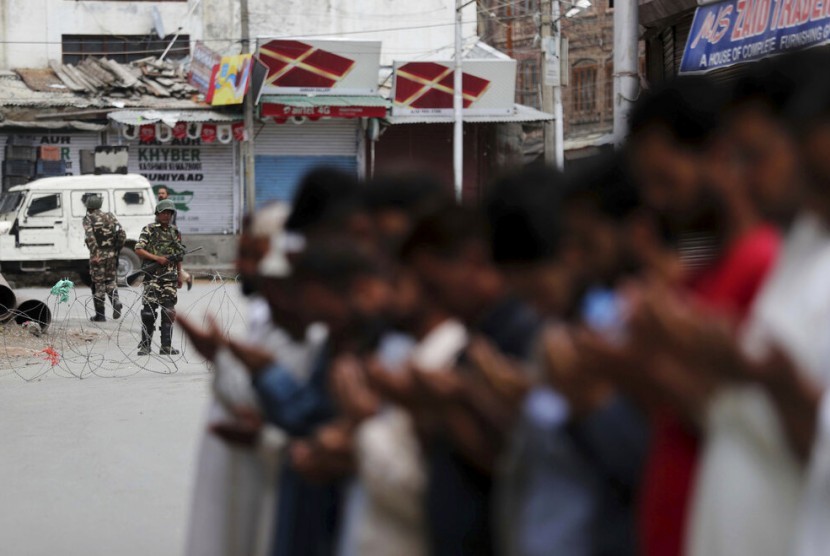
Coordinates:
736 31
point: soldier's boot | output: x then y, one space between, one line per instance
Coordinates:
148 321
116 305
100 316
166 329
167 339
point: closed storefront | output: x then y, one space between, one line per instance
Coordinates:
201 179
286 152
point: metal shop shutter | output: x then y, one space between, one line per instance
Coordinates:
202 180
321 138
277 177
286 152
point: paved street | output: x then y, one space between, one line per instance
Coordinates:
103 464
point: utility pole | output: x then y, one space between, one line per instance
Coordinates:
552 83
626 58
248 144
458 106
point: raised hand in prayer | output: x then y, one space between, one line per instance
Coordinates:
327 455
254 358
504 377
242 431
207 341
646 376
398 387
796 396
348 380
567 372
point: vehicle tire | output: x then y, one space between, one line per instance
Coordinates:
128 262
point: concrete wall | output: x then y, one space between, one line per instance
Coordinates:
364 19
33 28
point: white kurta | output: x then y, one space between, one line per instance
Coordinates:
749 482
391 466
814 524
234 496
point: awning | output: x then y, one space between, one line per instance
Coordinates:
521 114
727 33
171 117
283 107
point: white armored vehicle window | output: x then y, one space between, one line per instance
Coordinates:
45 206
129 203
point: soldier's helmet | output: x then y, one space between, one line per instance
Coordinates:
165 205
93 202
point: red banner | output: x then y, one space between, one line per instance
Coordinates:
238 129
208 133
180 130
147 133
284 111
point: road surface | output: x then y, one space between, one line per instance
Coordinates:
98 449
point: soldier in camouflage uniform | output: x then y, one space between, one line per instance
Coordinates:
158 241
104 237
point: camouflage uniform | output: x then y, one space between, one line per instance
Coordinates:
160 285
104 237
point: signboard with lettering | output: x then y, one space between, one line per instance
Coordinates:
283 111
737 31
230 80
427 88
199 177
320 67
203 63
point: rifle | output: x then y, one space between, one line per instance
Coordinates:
137 278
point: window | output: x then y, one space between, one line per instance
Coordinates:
130 203
609 90
528 85
46 206
121 48
77 200
584 92
10 202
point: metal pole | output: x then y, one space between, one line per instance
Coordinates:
559 125
458 137
552 83
248 145
547 91
626 78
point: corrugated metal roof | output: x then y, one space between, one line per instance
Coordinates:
15 93
301 101
170 117
41 79
592 140
520 114
53 124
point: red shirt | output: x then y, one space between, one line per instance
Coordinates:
730 285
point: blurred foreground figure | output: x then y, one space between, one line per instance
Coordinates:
704 215
571 471
235 488
749 482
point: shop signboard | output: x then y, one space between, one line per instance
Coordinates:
736 31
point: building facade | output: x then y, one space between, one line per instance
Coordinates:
513 27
